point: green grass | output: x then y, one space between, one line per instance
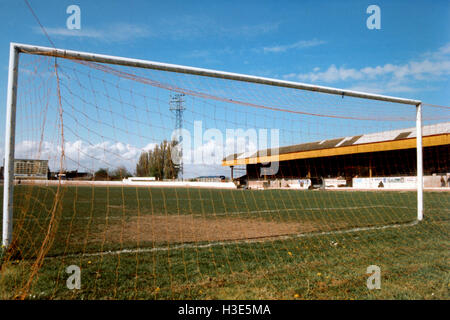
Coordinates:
413 259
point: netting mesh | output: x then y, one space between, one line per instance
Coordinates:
302 230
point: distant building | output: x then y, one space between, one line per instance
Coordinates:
71 175
210 178
383 154
75 175
30 169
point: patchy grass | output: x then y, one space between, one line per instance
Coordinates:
413 259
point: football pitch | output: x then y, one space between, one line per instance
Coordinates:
187 243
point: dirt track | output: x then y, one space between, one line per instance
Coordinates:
181 229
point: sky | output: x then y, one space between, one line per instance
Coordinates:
319 42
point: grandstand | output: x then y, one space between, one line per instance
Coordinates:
383 154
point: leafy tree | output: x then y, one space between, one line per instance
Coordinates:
120 173
101 174
158 162
142 165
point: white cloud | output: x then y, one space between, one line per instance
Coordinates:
114 33
82 155
212 151
444 49
418 70
332 74
385 78
175 28
199 160
205 159
64 32
297 45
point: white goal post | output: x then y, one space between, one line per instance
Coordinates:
16 49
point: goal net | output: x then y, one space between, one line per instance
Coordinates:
169 182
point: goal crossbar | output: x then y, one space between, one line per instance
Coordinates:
16 49
86 56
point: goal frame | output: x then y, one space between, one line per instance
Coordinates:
11 101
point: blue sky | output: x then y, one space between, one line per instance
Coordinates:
320 42
282 39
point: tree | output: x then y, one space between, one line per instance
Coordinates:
101 174
120 173
158 162
170 168
142 165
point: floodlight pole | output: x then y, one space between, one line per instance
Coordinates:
419 162
10 130
16 48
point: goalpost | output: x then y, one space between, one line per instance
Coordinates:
13 73
163 178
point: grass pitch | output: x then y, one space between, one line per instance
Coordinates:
183 243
